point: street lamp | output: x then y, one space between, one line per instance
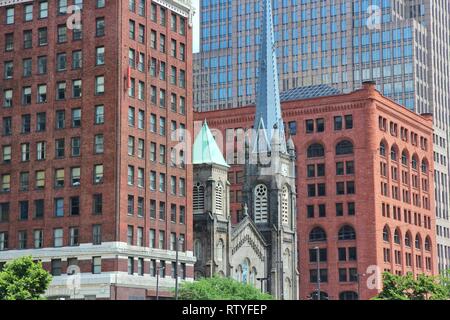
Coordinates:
157 280
179 241
318 272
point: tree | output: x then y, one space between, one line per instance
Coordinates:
407 287
219 288
23 279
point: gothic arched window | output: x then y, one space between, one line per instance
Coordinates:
219 198
220 247
285 205
198 249
199 198
344 147
427 244
397 236
408 240
386 234
418 242
382 149
261 203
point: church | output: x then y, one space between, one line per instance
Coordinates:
261 249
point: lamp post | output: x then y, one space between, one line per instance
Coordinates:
178 242
318 272
157 280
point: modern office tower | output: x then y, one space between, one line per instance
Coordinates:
402 45
90 101
364 182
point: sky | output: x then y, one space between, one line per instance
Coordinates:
196 30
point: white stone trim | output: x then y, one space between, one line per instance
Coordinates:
87 284
4 3
107 250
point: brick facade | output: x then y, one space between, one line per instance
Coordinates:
357 163
169 20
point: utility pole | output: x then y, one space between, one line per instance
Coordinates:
178 242
318 272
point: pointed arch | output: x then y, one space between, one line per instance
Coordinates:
397 236
220 250
198 198
219 197
414 161
261 203
285 205
386 234
418 241
383 147
405 157
424 166
394 152
427 243
408 239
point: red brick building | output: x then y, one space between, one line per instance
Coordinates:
90 101
364 184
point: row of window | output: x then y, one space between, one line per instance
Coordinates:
404 133
319 189
62 63
62 35
345 275
344 254
317 150
159 16
322 212
407 216
407 240
58 177
404 157
408 259
58 239
25 211
318 234
60 149
140 181
160 243
342 168
159 213
339 123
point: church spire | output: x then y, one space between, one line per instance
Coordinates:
268 110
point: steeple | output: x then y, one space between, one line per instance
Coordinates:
206 150
268 110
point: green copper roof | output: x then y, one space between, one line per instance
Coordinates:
206 150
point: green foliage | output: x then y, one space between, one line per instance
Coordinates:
23 279
219 288
409 288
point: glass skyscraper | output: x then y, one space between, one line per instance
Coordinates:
403 45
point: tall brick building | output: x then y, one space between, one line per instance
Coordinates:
365 186
89 173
